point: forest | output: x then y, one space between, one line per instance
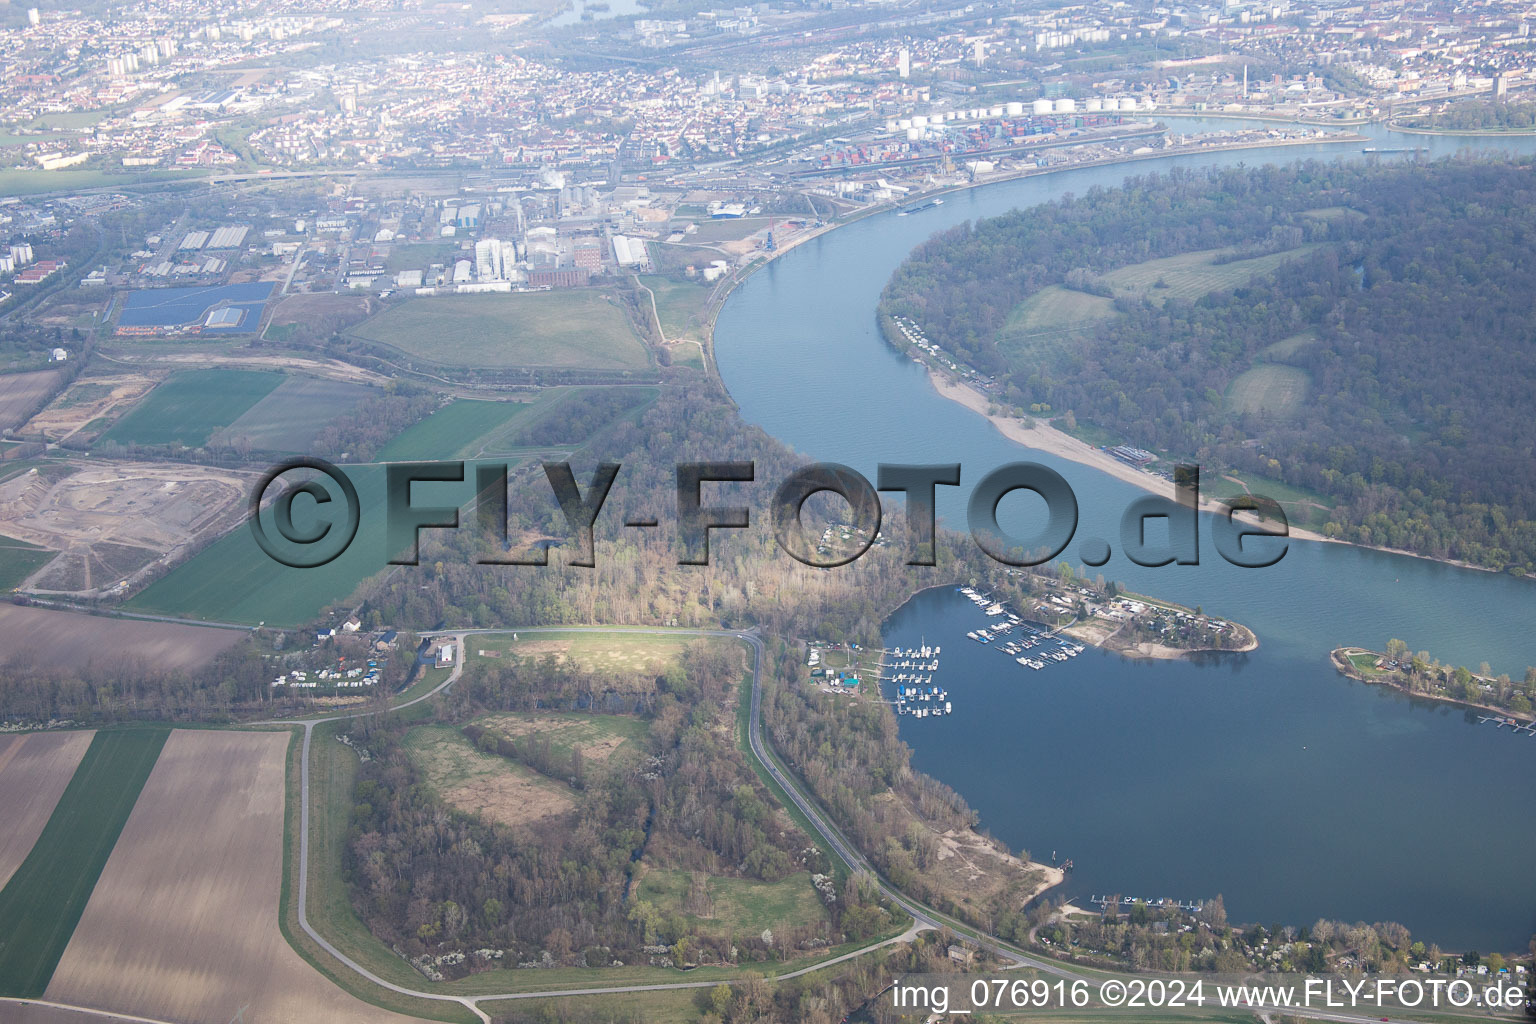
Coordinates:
1403 336
438 883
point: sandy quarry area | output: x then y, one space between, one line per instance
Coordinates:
34 769
86 401
114 519
183 923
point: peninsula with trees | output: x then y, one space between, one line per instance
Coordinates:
1301 331
1422 675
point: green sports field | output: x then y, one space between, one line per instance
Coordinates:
190 406
573 328
43 901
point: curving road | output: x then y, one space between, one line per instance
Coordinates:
923 917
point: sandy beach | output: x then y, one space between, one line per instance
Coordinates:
1045 438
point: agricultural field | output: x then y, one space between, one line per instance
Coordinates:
1053 322
289 418
1194 274
45 896
34 769
111 520
1287 347
22 393
72 640
482 784
191 406
1269 389
189 930
733 906
607 741
455 431
574 328
234 580
86 404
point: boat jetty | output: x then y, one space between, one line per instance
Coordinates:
910 672
1130 901
1029 644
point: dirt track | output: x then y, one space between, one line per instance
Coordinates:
183 924
34 769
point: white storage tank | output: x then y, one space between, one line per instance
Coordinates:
1127 103
920 121
1015 109
904 123
1042 106
890 126
1065 105
1095 104
995 112
914 134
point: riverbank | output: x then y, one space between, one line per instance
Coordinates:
1343 660
731 282
1043 437
1046 438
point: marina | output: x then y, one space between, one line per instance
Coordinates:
909 671
913 690
1029 644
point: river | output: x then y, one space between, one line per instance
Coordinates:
1268 778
